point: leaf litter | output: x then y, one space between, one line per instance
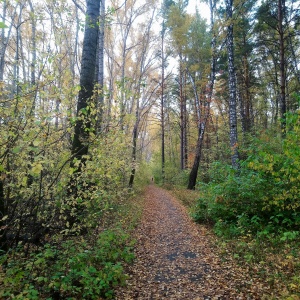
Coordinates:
177 259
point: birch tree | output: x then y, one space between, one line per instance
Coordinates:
232 86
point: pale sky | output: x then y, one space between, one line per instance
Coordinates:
203 8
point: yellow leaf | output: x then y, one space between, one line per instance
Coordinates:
24 181
36 143
37 168
4 218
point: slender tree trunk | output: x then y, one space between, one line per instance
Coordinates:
277 93
5 39
194 171
185 125
33 58
183 119
232 88
33 45
162 103
110 92
244 97
3 245
217 139
75 58
4 42
294 58
204 115
125 35
281 8
240 101
134 145
247 95
100 78
25 75
139 93
17 86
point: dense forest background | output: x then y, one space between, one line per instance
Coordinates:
96 98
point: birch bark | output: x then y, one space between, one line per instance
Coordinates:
232 88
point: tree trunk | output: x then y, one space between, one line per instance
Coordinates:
204 115
183 119
17 86
33 58
4 42
134 146
100 78
88 62
80 141
232 89
194 171
5 39
3 245
125 35
139 98
162 104
248 117
282 66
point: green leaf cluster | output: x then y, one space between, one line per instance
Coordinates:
74 269
263 198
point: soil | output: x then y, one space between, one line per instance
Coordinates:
177 258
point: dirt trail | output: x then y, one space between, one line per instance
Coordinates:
176 259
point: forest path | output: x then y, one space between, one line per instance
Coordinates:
175 258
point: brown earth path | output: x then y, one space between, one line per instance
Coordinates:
176 259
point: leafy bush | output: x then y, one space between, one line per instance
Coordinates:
74 269
180 178
236 200
263 198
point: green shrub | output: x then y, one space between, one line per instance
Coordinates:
74 270
263 198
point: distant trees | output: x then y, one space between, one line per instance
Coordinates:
245 62
255 76
278 22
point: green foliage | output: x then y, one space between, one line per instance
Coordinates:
52 232
74 269
263 198
36 169
143 175
2 25
180 178
173 174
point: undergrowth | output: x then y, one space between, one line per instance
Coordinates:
80 267
74 269
255 211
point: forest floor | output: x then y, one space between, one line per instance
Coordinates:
178 259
